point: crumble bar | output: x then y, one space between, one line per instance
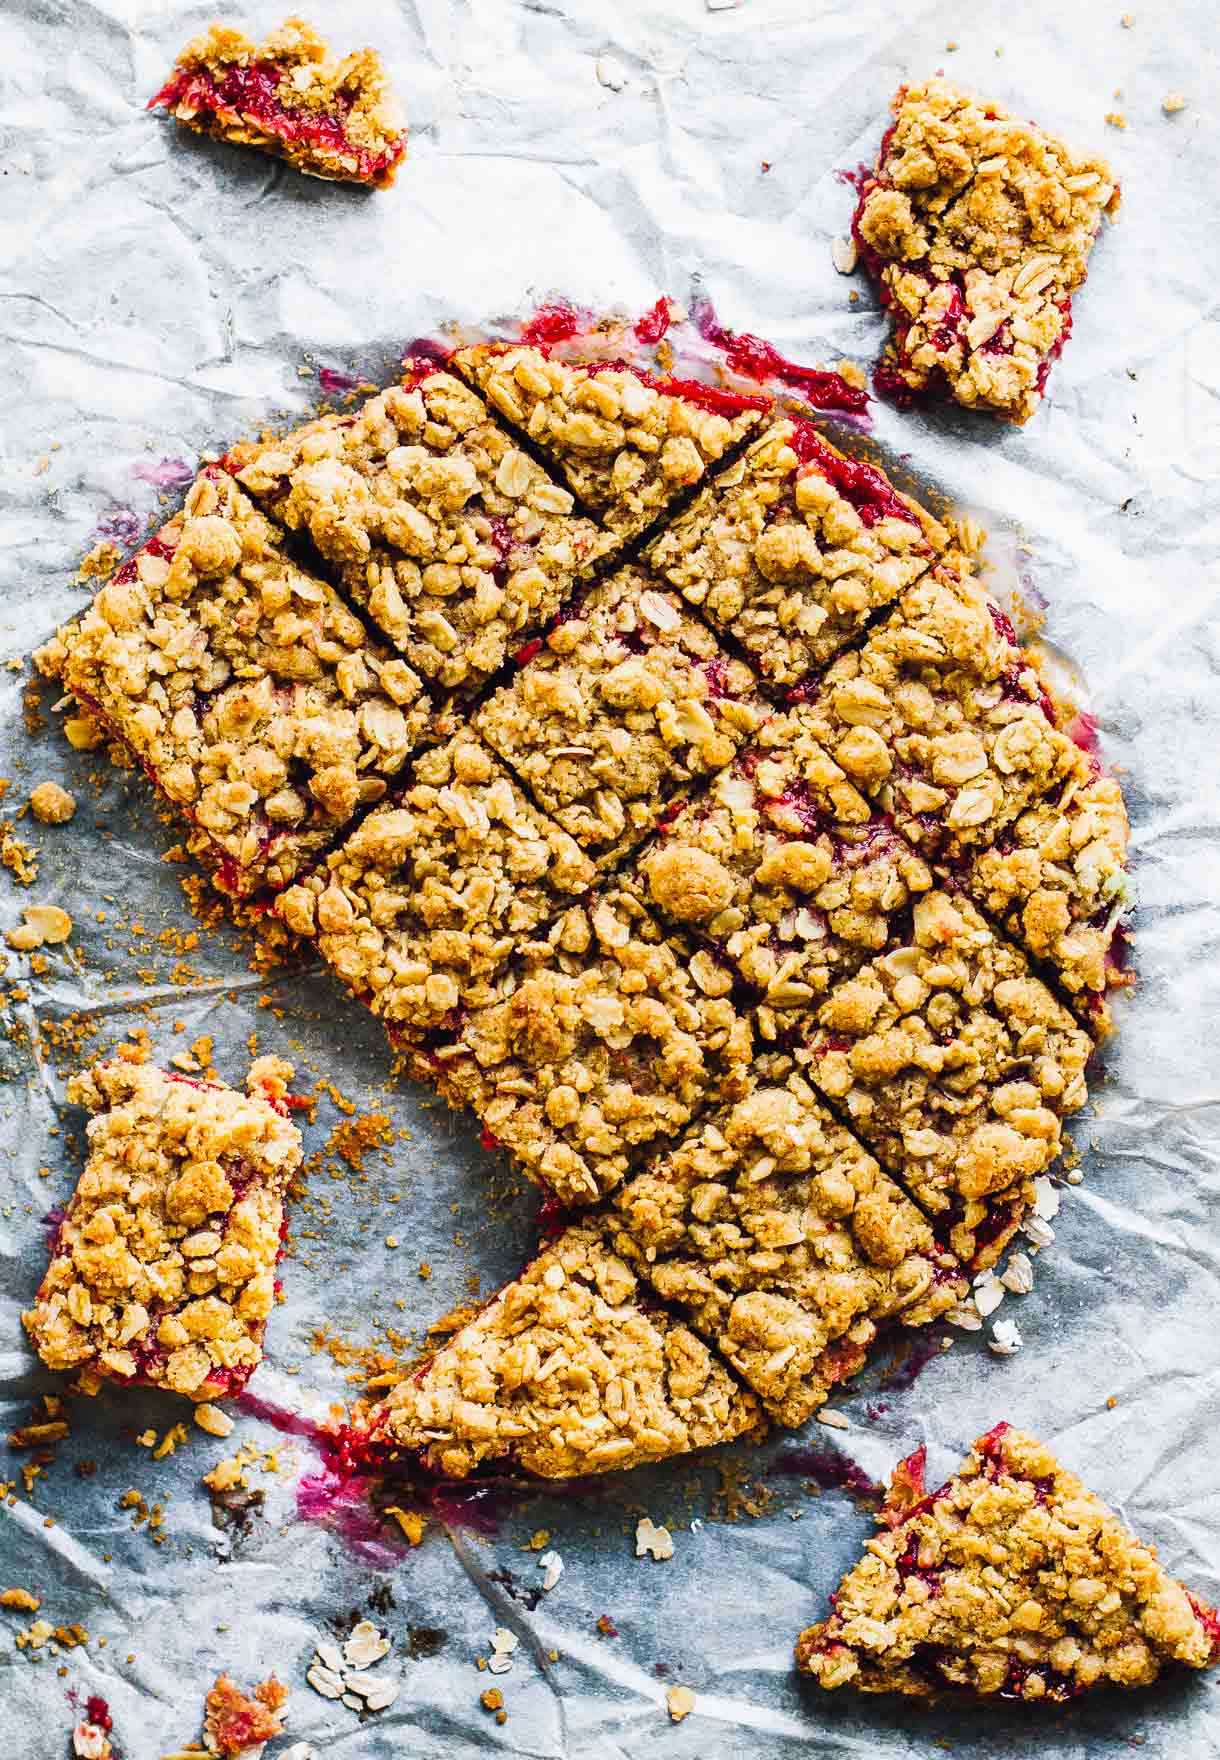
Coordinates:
942 719
246 689
783 869
629 699
793 547
1012 1580
452 539
1057 880
329 118
569 1370
605 1040
163 1267
627 444
956 1066
977 227
423 907
784 1243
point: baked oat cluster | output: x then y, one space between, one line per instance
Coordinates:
569 1370
662 848
163 1267
977 227
243 684
328 117
1012 1580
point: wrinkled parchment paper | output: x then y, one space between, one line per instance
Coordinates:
158 296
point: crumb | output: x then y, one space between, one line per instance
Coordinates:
1172 102
51 804
652 1539
1116 119
21 1598
213 1420
44 924
681 1702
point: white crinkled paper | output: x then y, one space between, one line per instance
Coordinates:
157 297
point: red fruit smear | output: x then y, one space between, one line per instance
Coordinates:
871 494
553 1218
827 1466
1209 1619
524 655
487 1139
333 382
556 321
98 1712
1084 733
654 323
155 547
755 358
1003 624
252 93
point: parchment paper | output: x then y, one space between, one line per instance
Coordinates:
157 298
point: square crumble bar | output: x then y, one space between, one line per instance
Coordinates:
335 119
605 1040
422 909
956 1065
942 719
244 686
785 1244
453 540
977 227
784 870
629 700
627 444
793 547
570 1369
163 1268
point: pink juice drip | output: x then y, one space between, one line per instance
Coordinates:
170 473
333 382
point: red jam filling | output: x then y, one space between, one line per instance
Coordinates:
557 321
872 496
252 91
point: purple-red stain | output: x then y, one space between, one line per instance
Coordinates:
755 358
333 382
922 1352
872 495
826 1466
525 654
655 322
120 526
252 92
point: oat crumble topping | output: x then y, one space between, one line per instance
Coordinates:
956 1066
977 227
629 700
421 910
608 1038
328 117
793 546
244 686
163 1268
452 539
569 1370
784 1243
1014 1580
627 444
783 870
942 720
